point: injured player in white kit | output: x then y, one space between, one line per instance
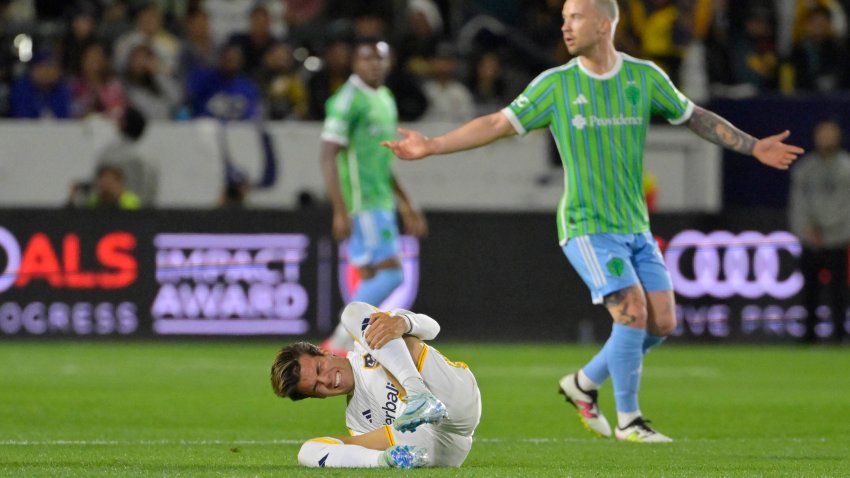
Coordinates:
408 405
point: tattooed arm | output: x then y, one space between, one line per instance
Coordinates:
717 130
770 150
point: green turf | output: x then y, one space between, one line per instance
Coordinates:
196 409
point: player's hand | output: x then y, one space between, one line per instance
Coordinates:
414 222
384 327
341 226
773 152
413 145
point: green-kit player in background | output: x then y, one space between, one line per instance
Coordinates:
598 108
360 182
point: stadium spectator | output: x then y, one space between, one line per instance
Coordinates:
198 48
156 95
306 23
660 27
754 58
107 192
409 97
820 193
711 28
284 92
140 174
114 21
609 244
421 36
42 92
448 98
81 33
440 394
364 193
148 30
336 68
489 85
94 89
819 58
256 41
224 92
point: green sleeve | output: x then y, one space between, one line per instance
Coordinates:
535 107
667 100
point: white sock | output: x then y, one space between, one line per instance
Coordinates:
585 383
395 357
341 339
625 418
332 453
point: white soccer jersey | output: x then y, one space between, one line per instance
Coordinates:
375 401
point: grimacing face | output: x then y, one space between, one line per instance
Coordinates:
325 376
582 29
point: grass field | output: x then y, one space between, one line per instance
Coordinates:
201 409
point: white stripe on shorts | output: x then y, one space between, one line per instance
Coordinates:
370 235
591 261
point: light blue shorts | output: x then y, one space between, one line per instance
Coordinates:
374 237
611 262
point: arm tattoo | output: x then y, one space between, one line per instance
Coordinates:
713 128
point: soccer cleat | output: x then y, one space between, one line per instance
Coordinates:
639 431
421 408
405 456
586 404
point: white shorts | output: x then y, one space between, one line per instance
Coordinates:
448 443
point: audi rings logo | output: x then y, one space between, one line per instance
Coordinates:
726 264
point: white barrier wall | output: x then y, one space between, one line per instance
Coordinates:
40 159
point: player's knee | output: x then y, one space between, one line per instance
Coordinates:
628 307
355 317
662 328
312 451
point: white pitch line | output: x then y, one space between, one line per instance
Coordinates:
298 442
145 442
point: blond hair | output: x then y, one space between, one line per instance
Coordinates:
611 10
286 369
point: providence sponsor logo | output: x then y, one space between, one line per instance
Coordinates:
580 122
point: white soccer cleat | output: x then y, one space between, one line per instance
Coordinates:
405 456
421 408
639 431
586 404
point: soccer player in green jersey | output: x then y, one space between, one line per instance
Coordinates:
360 182
598 108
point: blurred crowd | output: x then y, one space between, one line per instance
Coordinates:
281 59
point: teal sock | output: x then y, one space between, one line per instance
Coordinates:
624 362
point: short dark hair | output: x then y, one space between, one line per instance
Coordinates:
133 123
109 168
286 370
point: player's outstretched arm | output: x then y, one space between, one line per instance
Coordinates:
478 132
770 150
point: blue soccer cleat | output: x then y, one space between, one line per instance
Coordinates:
405 456
421 408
